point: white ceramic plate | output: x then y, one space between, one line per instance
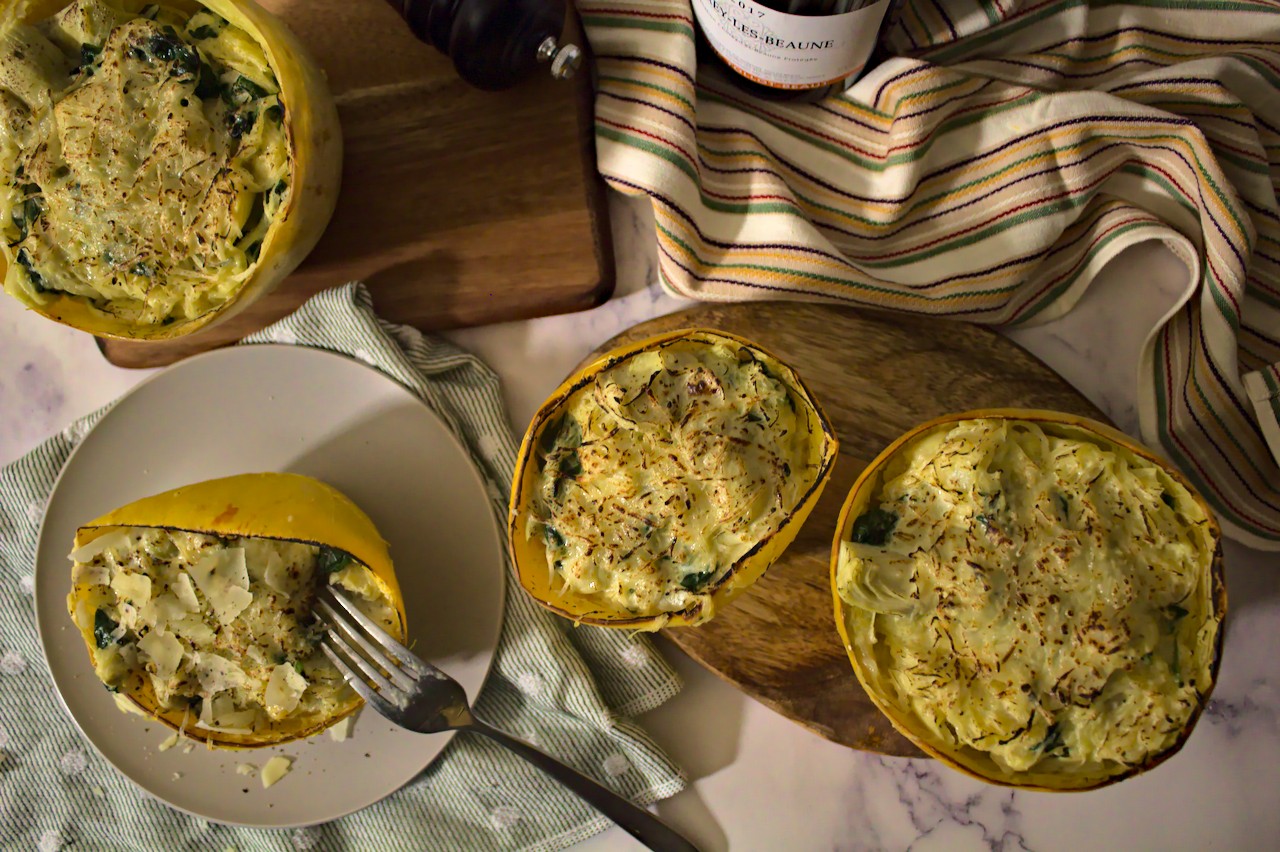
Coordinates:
284 408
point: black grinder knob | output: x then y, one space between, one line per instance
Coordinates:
494 44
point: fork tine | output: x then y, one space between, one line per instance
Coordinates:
369 670
344 633
362 688
385 642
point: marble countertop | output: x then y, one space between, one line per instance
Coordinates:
759 781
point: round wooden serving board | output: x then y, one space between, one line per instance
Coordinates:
876 375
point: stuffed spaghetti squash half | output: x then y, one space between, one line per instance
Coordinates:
663 479
1031 597
163 164
195 604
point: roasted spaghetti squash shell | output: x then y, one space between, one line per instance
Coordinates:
281 506
529 557
315 167
969 761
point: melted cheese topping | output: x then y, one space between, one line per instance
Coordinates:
144 156
665 471
1034 596
222 626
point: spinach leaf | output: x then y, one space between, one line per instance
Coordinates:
240 123
696 580
563 431
26 214
37 280
550 434
242 91
141 268
186 64
203 32
162 45
568 467
89 54
275 112
570 464
168 46
1051 741
551 536
1176 614
874 527
251 89
208 84
330 560
103 627
32 208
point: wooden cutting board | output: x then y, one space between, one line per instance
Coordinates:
876 376
458 207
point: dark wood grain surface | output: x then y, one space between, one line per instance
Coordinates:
458 207
876 376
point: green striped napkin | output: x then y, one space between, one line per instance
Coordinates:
573 691
1006 153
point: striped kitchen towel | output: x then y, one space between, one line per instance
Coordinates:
986 172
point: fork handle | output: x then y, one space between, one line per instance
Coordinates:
633 819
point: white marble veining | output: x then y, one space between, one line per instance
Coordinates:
762 782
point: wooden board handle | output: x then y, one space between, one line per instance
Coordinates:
494 44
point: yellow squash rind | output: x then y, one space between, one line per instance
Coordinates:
967 761
528 556
315 148
283 506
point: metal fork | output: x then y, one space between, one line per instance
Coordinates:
416 695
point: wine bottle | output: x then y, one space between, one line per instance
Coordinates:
777 49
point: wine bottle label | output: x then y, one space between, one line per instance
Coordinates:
787 51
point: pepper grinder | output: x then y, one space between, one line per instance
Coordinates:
494 44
